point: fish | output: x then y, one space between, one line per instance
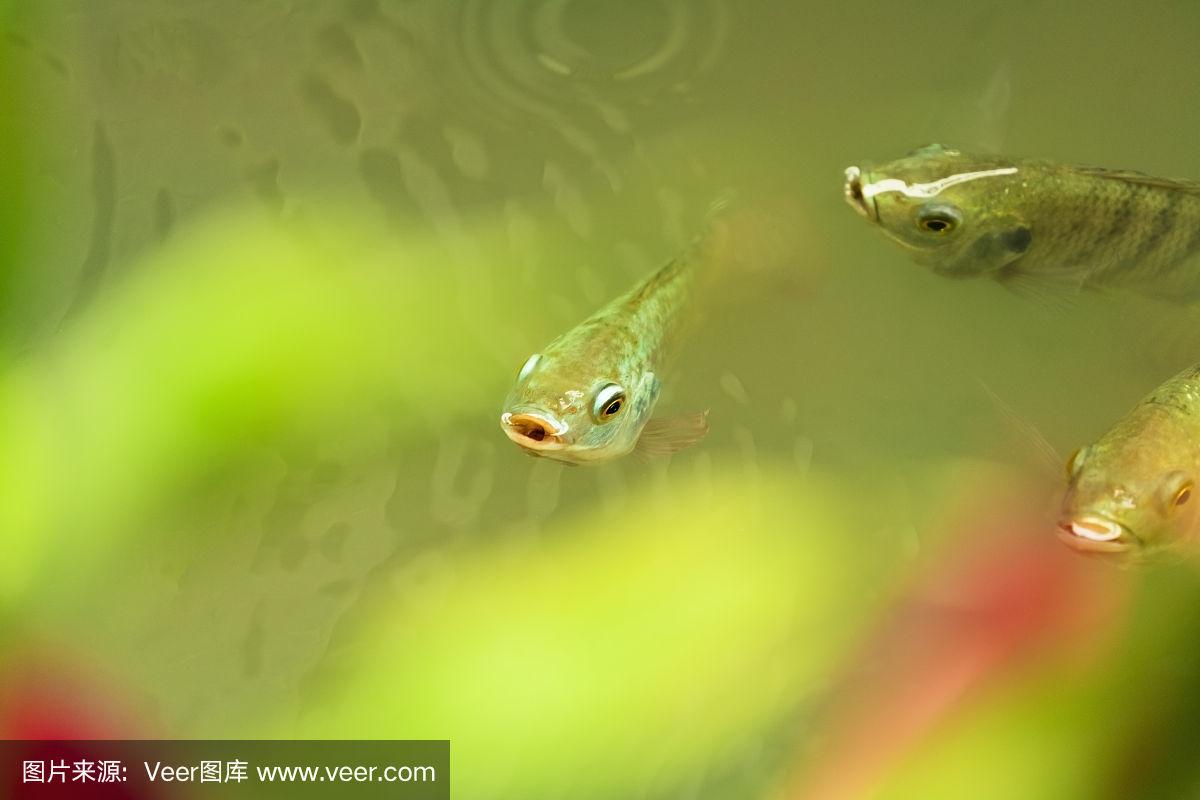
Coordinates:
1040 228
1130 494
589 395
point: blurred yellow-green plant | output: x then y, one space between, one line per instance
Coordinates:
633 654
237 335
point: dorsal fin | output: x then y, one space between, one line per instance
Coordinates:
1139 178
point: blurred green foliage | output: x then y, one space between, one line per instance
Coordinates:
243 333
632 654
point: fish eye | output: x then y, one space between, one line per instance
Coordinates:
1177 491
938 218
530 365
608 403
1183 495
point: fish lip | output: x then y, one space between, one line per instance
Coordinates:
1092 533
516 425
856 196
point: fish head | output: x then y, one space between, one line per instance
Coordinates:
947 209
577 412
1128 500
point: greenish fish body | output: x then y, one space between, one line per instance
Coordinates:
589 395
1130 492
1035 225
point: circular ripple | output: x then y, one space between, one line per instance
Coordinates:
545 57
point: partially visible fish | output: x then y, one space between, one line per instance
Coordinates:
589 395
1036 226
1130 493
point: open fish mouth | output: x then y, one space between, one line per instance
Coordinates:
1095 534
534 430
856 196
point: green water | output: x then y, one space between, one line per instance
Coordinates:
261 490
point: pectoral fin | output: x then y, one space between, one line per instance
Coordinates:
1057 289
999 254
662 437
1054 291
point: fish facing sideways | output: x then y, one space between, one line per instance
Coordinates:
1130 493
589 395
1036 226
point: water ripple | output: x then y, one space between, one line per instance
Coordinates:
555 57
